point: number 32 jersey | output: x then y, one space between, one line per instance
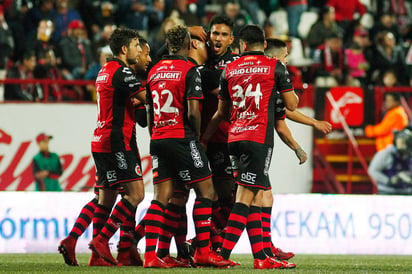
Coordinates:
251 83
172 82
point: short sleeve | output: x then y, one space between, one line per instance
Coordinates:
282 80
126 81
194 84
280 109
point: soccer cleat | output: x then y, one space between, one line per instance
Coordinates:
135 256
281 254
287 264
209 258
267 263
96 260
67 248
175 262
155 262
102 249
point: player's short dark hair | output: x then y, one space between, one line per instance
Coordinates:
27 54
252 34
142 41
222 19
273 43
176 38
121 37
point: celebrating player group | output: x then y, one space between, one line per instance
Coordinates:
211 114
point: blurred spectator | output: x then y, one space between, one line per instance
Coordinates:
96 14
391 167
186 14
345 11
389 79
134 14
6 49
239 17
91 74
14 16
42 44
357 65
252 8
295 8
329 65
156 18
323 28
101 38
42 11
387 55
387 22
64 15
47 167
75 51
23 70
395 119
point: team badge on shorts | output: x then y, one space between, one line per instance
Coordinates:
138 170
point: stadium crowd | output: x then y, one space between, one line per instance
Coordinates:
329 43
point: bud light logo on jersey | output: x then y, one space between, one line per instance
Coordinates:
197 159
102 78
169 75
249 70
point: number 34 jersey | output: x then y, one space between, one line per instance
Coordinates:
251 83
172 82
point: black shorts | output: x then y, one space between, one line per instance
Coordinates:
218 155
113 168
250 163
182 160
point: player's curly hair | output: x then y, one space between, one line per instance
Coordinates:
121 37
176 38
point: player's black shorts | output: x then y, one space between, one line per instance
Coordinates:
250 163
183 160
218 155
113 168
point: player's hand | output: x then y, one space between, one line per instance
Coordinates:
136 102
323 126
198 31
301 154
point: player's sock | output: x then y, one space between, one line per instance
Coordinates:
226 206
122 211
168 229
254 231
126 234
181 231
267 237
154 219
235 226
202 212
217 217
84 219
139 230
100 216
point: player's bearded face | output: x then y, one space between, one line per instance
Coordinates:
133 52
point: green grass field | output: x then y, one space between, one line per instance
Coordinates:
53 263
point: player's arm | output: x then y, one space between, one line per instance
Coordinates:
193 95
149 110
285 87
125 80
286 136
224 108
301 118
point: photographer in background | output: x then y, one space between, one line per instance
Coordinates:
391 168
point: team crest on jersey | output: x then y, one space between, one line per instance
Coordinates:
138 170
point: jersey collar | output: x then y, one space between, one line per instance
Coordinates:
117 60
174 57
190 59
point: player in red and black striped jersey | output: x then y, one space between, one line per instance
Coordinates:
173 94
248 98
114 146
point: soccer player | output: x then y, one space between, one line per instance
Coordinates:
126 256
173 94
276 48
114 146
221 38
247 97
